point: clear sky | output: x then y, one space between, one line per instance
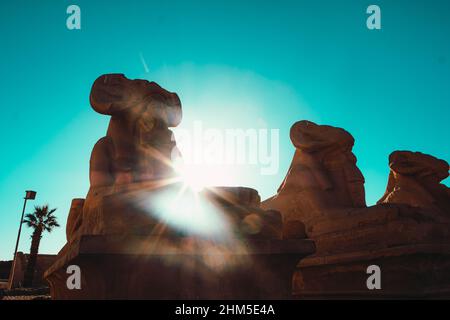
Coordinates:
234 64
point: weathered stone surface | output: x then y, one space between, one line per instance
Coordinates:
138 144
242 207
155 267
377 227
407 272
415 179
295 229
233 196
74 219
323 174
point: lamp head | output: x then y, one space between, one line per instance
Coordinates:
30 195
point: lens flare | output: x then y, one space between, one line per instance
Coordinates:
184 210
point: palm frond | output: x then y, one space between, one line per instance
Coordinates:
42 218
30 220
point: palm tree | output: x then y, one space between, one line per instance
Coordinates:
42 219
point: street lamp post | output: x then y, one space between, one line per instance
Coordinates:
29 195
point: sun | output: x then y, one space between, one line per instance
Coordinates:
193 177
198 176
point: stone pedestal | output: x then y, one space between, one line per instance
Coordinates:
407 272
411 250
139 267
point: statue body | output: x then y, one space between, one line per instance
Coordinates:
138 145
134 155
415 179
323 174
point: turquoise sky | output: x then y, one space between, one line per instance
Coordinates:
244 64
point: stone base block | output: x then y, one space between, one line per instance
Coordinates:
138 267
407 272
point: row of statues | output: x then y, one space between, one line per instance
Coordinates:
323 177
322 196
